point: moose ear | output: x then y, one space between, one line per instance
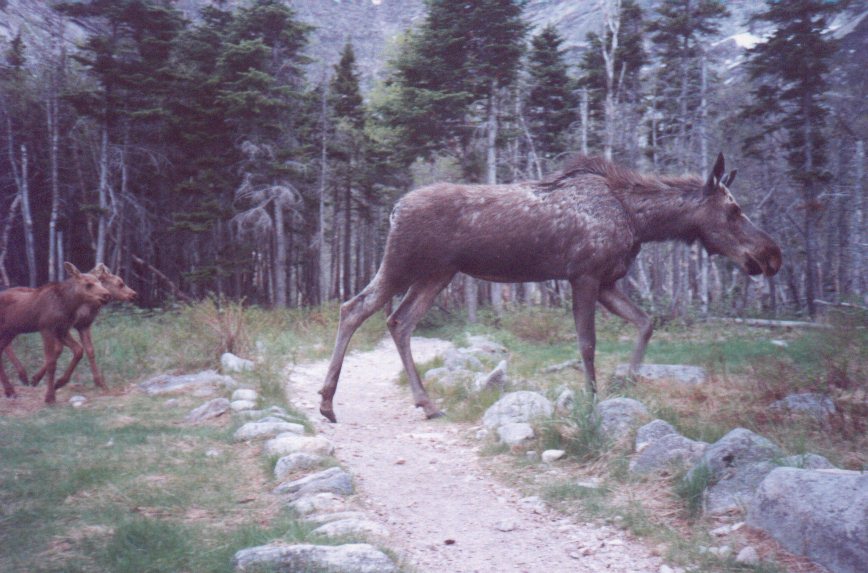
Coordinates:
71 269
727 181
715 175
100 269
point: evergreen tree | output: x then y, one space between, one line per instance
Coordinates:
630 57
679 33
790 72
551 99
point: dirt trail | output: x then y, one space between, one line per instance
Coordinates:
424 481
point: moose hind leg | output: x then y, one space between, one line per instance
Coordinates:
354 312
402 322
8 390
585 293
77 353
19 368
619 304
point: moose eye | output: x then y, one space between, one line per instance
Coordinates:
733 212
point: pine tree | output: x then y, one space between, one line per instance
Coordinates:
790 72
551 101
629 59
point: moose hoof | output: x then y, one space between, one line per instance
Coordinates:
435 414
328 413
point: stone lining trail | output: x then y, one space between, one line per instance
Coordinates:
423 480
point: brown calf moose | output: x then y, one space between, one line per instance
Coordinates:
51 311
84 318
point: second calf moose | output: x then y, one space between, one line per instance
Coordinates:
50 310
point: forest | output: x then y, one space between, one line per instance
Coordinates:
201 156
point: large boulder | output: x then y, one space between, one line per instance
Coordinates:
352 527
455 359
349 558
497 379
736 464
618 416
517 407
232 363
822 514
203 383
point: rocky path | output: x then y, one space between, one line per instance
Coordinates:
423 480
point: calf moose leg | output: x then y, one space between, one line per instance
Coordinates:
402 322
22 373
87 342
77 353
617 303
353 313
585 293
7 387
51 347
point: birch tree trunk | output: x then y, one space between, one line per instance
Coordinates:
280 270
491 177
609 47
102 220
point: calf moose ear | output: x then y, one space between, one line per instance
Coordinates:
100 270
715 176
727 181
71 269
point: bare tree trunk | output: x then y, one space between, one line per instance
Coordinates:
280 270
491 177
585 116
323 277
347 248
51 115
4 238
102 220
609 47
859 241
703 161
27 216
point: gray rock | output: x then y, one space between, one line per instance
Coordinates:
737 448
77 401
332 480
618 416
494 380
669 372
807 462
352 527
574 363
348 558
822 514
454 359
208 380
296 462
262 430
515 433
817 406
285 444
322 518
565 402
748 556
486 347
242 405
245 394
208 410
737 463
651 432
318 503
448 378
666 451
550 456
231 363
516 407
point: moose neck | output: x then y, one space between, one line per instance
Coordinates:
665 210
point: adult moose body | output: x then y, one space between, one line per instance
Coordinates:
585 224
85 315
51 311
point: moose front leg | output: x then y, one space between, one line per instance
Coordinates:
617 303
585 293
